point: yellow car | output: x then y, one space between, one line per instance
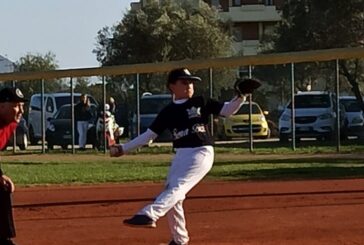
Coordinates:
237 125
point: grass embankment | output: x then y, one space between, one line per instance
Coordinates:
151 164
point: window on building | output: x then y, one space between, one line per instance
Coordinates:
224 5
279 4
251 2
250 31
236 2
237 34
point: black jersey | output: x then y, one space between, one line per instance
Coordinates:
187 122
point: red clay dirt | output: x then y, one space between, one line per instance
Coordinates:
225 213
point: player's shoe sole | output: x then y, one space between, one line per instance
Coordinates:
140 220
174 243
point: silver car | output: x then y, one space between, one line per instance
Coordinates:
315 116
354 116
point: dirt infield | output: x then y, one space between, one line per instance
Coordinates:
290 212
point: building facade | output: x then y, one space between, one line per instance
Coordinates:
251 20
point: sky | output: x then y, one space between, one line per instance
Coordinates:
67 28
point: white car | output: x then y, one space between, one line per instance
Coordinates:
315 116
354 116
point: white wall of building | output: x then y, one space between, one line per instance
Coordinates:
6 65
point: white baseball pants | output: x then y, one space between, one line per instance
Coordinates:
188 168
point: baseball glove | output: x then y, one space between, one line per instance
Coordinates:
246 85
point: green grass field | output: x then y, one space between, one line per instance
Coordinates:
151 164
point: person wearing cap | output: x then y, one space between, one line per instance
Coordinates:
11 110
187 118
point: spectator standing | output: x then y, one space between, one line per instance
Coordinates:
83 115
11 111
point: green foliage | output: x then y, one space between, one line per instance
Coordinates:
145 168
38 62
160 33
317 24
170 31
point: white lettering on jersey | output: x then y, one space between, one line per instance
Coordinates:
180 134
194 112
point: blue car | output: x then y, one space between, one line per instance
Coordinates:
150 106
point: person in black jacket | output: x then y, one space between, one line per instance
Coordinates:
83 115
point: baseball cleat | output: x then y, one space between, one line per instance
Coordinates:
174 243
7 241
140 220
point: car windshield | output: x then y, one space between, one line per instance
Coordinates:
60 101
351 105
65 112
311 101
245 109
153 105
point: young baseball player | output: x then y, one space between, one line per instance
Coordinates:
187 118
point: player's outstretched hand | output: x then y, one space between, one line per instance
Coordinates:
246 85
116 150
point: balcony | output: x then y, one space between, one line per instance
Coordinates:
251 13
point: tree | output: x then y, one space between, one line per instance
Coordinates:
38 62
161 32
318 24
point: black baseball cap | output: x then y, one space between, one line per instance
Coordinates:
181 73
11 95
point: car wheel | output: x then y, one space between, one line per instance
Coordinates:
24 145
327 137
283 138
268 135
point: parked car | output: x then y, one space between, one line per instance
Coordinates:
354 116
59 130
150 106
21 135
315 116
52 103
238 125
